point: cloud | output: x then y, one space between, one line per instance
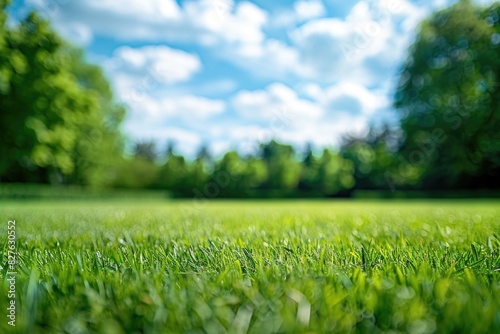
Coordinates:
271 59
153 110
276 112
146 79
324 133
323 49
279 112
352 99
193 107
138 74
233 31
276 102
329 49
205 21
303 10
308 9
161 63
365 46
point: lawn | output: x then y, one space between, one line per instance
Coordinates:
253 267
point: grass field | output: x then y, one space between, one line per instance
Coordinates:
256 267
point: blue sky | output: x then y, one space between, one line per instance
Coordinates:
232 73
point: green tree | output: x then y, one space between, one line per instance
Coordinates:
239 177
309 178
5 61
373 157
335 174
136 173
197 177
283 169
99 146
146 150
58 119
449 97
173 173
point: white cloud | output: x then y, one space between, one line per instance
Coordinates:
324 133
270 59
277 102
324 49
193 107
279 112
139 74
233 31
312 90
308 9
276 112
332 49
161 64
146 79
205 21
149 110
352 98
302 10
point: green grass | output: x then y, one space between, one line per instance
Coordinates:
256 267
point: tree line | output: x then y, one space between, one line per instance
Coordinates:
60 123
275 170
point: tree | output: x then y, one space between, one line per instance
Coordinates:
137 173
173 174
197 178
309 178
372 157
5 69
449 98
58 118
282 167
335 174
145 150
239 177
204 154
99 145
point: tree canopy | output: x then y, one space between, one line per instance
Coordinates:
59 121
449 98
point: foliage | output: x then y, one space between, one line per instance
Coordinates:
136 173
274 171
172 174
449 96
373 157
58 119
5 70
282 166
237 176
255 267
145 150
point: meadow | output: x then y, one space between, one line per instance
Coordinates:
156 266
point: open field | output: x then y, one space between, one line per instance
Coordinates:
256 266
